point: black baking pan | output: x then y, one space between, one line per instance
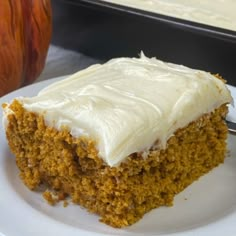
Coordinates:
104 30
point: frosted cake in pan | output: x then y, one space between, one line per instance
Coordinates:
218 13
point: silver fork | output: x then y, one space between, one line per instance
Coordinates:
231 126
231 117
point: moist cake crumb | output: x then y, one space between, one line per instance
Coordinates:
50 198
65 203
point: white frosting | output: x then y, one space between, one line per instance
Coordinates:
6 111
127 104
219 13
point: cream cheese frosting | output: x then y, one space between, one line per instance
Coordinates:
127 104
219 13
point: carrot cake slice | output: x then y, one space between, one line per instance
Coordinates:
120 138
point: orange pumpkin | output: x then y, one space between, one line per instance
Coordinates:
25 34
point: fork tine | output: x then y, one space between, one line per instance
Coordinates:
231 126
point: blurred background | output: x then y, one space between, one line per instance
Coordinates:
87 32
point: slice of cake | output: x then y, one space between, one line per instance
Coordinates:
121 138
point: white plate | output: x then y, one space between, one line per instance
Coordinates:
207 207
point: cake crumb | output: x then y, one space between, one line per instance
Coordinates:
65 203
51 198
